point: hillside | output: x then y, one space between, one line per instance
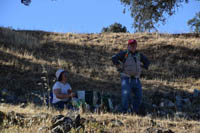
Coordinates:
25 55
30 58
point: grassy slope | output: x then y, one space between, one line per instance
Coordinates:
87 58
25 55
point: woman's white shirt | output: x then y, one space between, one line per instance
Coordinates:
64 90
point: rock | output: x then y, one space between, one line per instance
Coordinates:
196 93
115 123
23 105
162 104
170 104
43 129
167 103
61 120
15 118
77 121
22 99
2 117
8 96
179 102
2 100
153 123
117 108
181 115
158 130
11 98
170 95
161 113
156 98
186 104
58 129
145 108
55 118
63 124
4 92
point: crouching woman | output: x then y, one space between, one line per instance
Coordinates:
62 91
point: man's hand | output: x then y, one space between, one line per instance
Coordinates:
119 68
72 94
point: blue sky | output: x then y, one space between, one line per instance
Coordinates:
82 16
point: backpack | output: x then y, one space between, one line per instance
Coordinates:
127 53
131 68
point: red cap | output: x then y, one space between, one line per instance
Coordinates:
132 41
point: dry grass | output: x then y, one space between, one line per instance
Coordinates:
131 123
87 59
18 39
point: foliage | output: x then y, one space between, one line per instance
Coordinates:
115 28
26 2
147 13
194 23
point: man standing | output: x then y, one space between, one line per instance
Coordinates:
129 63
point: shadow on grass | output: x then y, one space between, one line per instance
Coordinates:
21 84
173 62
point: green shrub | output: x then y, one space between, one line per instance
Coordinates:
115 28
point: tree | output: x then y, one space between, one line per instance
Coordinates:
147 13
194 23
26 2
116 28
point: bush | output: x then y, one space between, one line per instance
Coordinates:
115 28
194 23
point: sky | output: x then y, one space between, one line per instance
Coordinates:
83 16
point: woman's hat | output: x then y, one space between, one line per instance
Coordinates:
58 72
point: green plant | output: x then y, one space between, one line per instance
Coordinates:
194 23
115 28
45 85
147 14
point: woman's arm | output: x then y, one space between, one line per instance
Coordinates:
61 95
